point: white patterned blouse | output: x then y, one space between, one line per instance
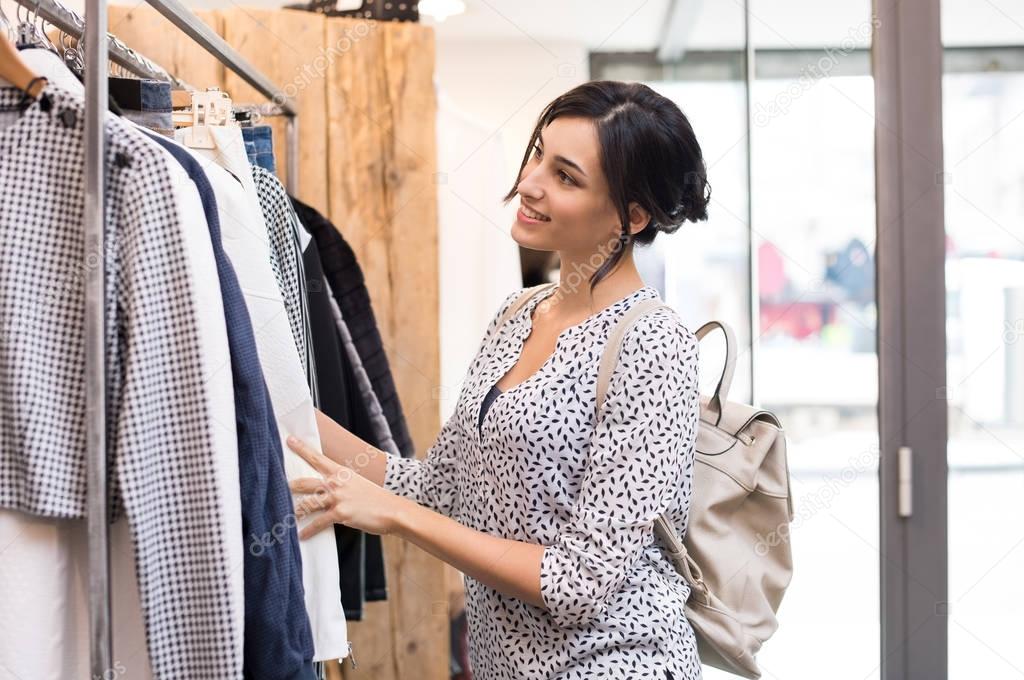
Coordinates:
543 468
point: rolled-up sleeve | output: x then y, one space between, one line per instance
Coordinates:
432 481
643 442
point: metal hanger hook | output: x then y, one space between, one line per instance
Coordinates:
46 37
34 14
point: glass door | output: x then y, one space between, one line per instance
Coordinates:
866 242
787 258
815 355
983 133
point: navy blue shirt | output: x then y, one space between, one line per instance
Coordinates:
278 639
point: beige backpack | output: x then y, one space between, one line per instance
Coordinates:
736 556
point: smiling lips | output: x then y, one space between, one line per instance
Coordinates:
533 214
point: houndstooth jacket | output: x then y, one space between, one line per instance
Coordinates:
159 409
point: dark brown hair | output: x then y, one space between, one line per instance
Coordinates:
648 152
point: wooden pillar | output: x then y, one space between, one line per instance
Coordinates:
383 196
153 36
285 45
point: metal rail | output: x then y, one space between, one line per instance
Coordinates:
101 647
68 21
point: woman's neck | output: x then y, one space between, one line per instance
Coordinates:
574 295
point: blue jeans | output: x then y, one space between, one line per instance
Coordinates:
146 102
259 145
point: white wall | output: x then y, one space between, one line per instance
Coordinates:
497 88
504 85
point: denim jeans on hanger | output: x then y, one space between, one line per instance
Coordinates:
262 150
144 102
250 147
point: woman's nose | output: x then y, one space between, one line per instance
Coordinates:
530 187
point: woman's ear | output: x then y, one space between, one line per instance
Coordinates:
639 218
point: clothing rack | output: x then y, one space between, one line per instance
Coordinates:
69 22
194 28
99 48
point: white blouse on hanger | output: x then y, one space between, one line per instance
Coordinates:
247 245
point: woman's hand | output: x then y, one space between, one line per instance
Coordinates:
343 496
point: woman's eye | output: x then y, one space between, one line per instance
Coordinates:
537 152
566 177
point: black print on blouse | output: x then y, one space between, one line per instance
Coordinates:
542 468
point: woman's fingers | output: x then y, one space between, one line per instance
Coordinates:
316 525
320 462
310 504
317 495
308 485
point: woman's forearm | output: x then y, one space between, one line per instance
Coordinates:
345 448
510 567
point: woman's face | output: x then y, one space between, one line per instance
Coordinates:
564 184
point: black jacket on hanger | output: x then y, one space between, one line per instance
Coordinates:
360 556
348 286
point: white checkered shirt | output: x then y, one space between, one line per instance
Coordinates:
286 260
159 411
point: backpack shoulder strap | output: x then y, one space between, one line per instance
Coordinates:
610 355
676 550
523 298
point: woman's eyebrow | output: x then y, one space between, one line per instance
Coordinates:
569 163
563 159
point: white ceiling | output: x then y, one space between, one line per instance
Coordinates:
628 25
608 25
625 25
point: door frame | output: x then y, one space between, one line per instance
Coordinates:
910 277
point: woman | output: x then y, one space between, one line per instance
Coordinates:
544 506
